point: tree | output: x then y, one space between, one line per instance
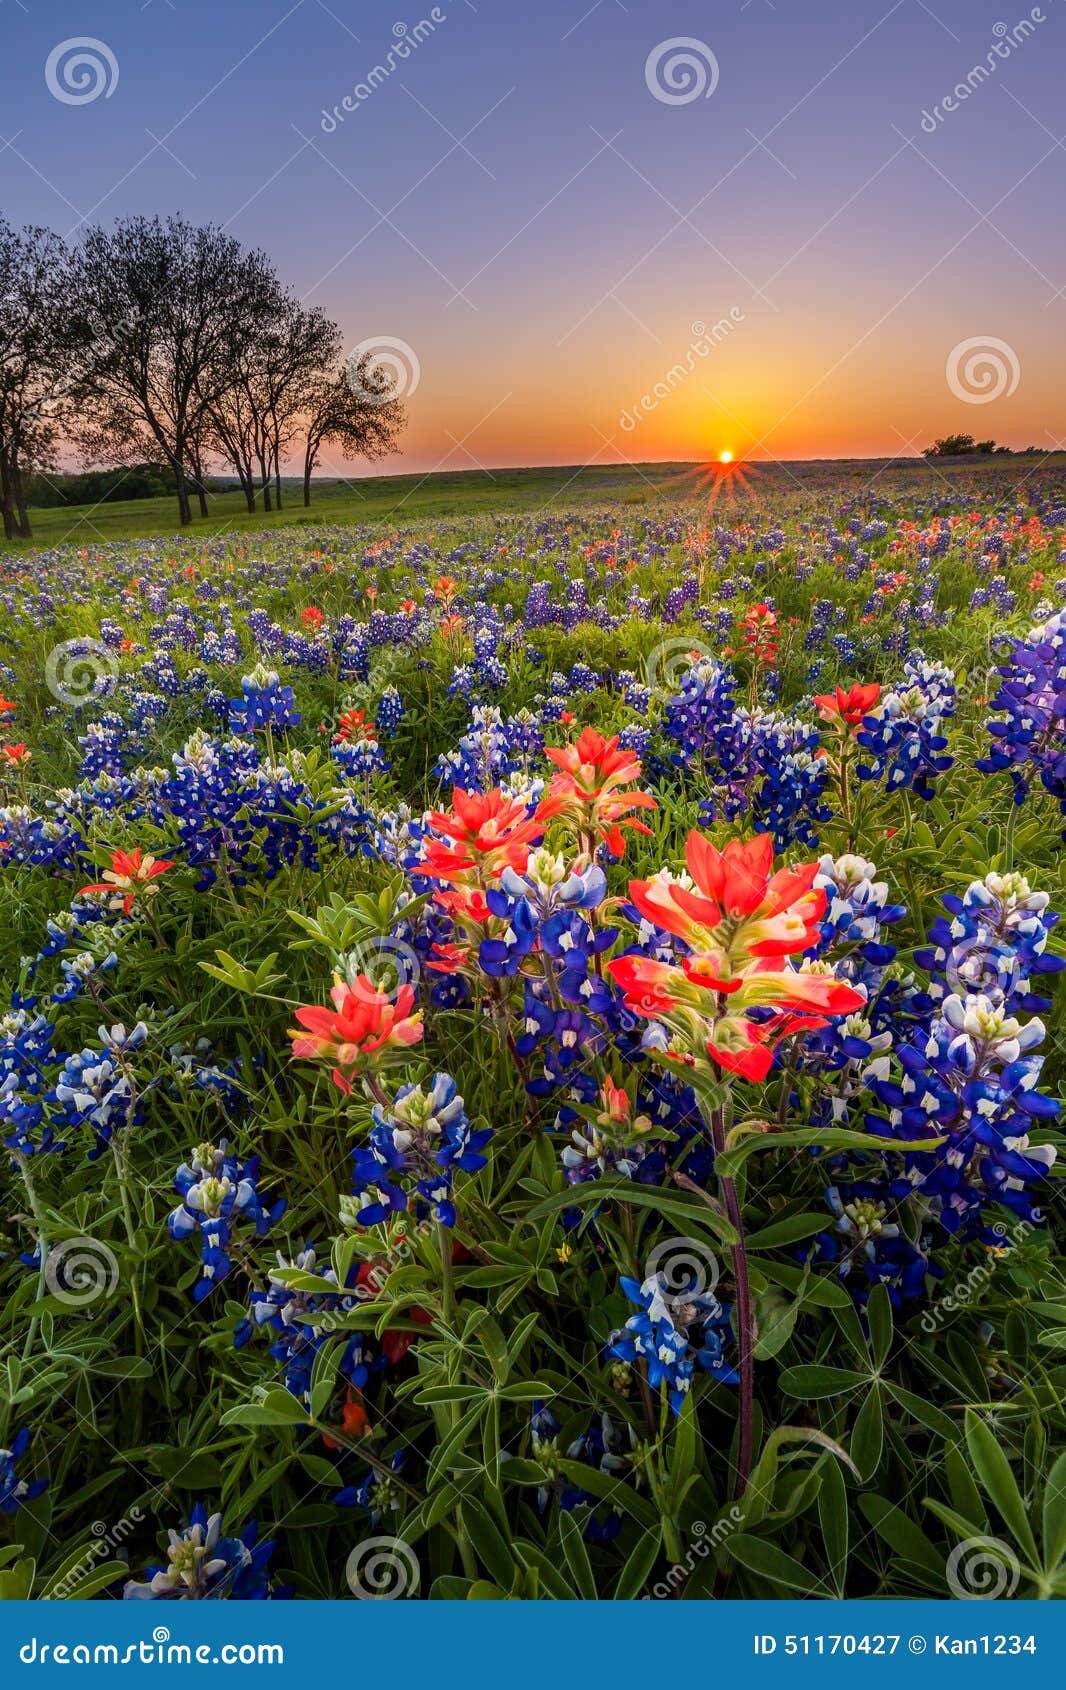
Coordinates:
257 418
951 446
38 362
357 411
172 309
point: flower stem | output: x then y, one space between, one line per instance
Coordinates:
745 1322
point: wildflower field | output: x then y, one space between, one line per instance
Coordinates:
530 1052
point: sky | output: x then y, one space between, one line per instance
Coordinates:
600 231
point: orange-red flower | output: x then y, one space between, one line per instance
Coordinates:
848 707
740 922
489 832
587 788
14 755
364 1031
353 725
7 708
130 876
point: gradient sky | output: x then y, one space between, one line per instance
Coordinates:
515 204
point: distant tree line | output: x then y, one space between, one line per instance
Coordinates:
159 346
965 446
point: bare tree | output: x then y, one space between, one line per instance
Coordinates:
172 305
356 411
38 361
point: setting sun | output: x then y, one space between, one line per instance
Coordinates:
725 457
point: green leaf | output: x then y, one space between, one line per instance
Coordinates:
868 1434
637 1570
787 1231
833 1520
879 1318
1055 1515
773 1564
993 1471
275 1408
485 1536
577 1557
812 1382
901 1534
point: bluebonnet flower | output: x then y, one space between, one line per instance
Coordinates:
904 735
264 703
672 1331
304 1320
414 1149
203 1565
216 1193
13 1490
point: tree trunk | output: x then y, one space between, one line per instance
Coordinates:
7 503
307 484
22 527
184 509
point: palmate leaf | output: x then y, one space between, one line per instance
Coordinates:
676 1206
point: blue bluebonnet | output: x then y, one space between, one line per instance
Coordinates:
264 703
672 1332
201 1565
413 1151
14 1491
217 1192
304 1320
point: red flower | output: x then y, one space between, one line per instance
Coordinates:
740 922
587 788
312 616
13 755
364 1030
130 876
489 832
354 725
6 706
849 707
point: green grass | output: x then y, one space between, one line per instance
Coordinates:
389 499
